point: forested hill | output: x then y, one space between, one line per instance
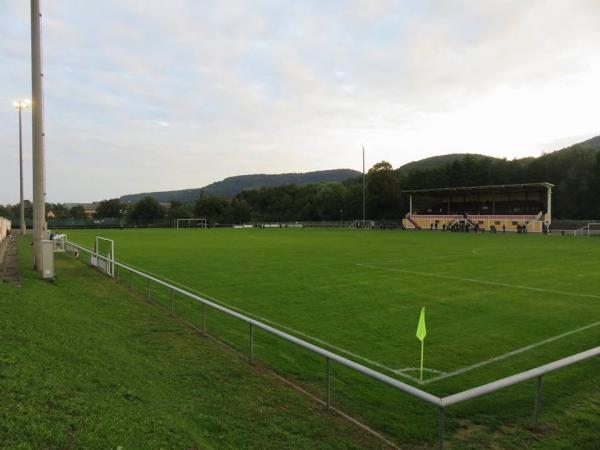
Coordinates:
435 162
231 186
575 172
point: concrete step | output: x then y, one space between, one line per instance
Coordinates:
9 268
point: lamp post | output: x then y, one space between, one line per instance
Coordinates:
21 105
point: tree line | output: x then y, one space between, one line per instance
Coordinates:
575 172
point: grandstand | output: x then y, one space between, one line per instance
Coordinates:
507 207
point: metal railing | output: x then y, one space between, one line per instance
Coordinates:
441 403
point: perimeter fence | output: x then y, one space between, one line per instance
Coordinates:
168 295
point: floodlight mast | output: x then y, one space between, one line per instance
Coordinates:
37 127
21 105
364 195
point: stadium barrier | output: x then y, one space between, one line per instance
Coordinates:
441 403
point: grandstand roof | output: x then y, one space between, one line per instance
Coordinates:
492 189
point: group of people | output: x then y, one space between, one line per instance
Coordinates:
521 229
466 227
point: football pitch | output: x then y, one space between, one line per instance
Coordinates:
496 304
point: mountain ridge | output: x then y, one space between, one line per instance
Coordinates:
231 186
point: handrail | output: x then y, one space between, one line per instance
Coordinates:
307 345
518 378
440 403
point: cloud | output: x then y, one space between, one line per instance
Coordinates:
143 96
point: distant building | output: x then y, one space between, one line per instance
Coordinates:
90 208
511 207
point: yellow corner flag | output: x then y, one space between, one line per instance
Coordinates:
421 333
421 328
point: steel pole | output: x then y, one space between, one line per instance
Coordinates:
364 193
37 120
22 205
328 382
251 339
441 426
538 401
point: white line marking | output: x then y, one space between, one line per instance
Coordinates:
402 372
473 280
509 354
417 369
476 250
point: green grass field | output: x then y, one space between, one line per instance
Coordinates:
496 304
86 364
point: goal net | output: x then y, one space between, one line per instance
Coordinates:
591 229
190 223
104 255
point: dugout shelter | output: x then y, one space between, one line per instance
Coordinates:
507 206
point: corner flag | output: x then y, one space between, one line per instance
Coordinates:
421 334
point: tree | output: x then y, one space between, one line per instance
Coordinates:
146 210
213 209
383 192
109 208
59 210
240 210
5 212
78 212
178 211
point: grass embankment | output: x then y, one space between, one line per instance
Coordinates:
86 364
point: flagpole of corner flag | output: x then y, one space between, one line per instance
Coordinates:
421 334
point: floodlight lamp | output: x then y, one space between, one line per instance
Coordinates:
22 104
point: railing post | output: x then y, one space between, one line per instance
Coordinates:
171 300
251 336
538 401
328 382
441 425
203 319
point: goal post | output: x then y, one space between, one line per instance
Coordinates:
591 229
104 255
196 222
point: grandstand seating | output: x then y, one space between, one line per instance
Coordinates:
425 221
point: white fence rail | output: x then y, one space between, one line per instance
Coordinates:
591 229
441 403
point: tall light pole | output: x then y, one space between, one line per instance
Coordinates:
21 105
37 138
364 186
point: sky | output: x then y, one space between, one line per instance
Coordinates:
150 95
